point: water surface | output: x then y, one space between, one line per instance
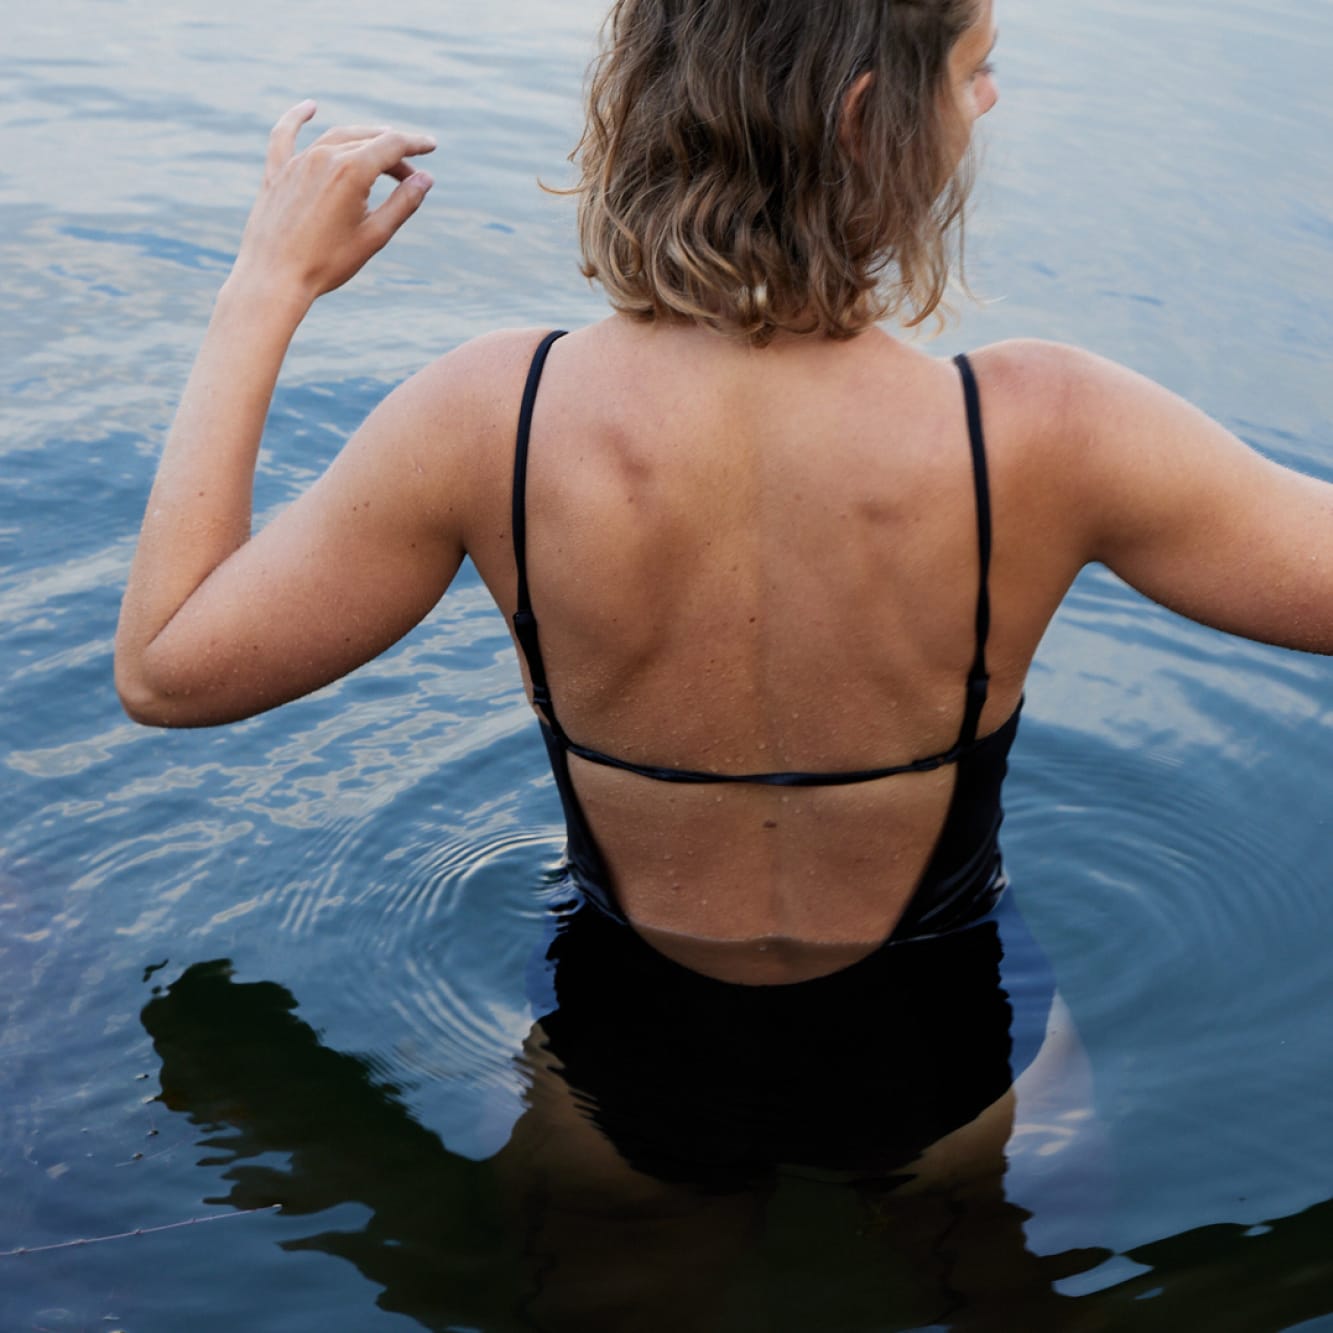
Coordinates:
374 863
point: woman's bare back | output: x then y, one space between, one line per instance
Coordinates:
752 562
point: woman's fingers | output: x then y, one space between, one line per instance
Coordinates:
386 155
385 151
282 139
384 148
398 207
342 134
310 228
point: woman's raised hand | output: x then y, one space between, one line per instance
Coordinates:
311 227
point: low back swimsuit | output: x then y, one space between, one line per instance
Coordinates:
659 1053
964 877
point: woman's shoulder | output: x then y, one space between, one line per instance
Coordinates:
1168 498
486 366
1062 408
467 399
1046 377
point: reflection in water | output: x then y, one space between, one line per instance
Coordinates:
236 1056
557 1232
1232 1279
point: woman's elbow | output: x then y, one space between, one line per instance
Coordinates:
140 701
186 696
151 702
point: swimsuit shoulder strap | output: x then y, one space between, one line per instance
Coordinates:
978 682
525 623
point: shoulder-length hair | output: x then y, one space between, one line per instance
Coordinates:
718 185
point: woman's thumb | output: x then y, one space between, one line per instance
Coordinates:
400 205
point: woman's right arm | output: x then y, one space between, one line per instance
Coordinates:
1174 503
217 623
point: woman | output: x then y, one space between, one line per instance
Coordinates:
789 571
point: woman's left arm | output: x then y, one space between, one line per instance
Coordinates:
216 624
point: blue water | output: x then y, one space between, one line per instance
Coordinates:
380 855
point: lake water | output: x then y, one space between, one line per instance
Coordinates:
330 908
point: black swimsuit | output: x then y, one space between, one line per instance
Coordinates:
713 1084
964 877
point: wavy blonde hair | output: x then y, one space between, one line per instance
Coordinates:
716 182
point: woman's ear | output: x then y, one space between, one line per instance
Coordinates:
849 122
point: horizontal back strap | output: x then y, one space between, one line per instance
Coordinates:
792 779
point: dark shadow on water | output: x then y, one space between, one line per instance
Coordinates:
1231 1279
241 1065
557 1233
